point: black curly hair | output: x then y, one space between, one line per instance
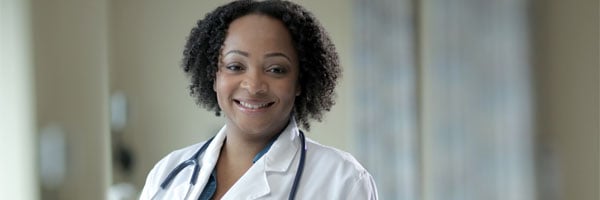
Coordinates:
318 59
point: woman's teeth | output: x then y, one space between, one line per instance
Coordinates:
253 106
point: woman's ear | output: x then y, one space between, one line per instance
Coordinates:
215 82
298 90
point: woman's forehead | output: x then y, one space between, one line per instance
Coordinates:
258 34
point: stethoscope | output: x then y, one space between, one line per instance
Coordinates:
194 161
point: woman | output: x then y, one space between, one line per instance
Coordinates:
268 66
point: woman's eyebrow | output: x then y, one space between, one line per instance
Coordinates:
243 53
276 54
246 54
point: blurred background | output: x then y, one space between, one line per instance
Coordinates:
440 99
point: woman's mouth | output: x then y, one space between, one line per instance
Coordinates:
253 105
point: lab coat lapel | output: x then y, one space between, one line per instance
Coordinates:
255 183
178 188
283 152
207 163
252 185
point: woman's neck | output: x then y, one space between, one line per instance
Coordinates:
244 146
241 148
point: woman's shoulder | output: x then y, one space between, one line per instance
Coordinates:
331 169
335 158
163 167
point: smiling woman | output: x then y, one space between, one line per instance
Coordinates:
265 65
257 78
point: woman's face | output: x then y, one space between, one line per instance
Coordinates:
257 79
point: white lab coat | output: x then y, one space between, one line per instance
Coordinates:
328 173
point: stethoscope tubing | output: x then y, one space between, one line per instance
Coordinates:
191 161
300 167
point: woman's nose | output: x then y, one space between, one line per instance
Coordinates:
254 83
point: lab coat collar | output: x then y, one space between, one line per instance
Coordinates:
281 155
278 159
255 182
208 162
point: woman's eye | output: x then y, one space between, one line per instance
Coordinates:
277 70
234 67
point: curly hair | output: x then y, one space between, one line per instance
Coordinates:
318 59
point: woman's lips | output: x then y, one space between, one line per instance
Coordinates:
253 105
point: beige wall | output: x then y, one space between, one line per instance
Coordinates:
146 48
566 43
70 41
